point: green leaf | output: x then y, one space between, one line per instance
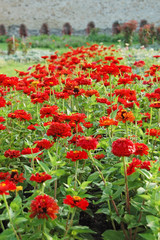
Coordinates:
20 220
153 222
147 236
113 235
145 173
48 237
16 203
81 229
8 234
85 184
93 176
44 167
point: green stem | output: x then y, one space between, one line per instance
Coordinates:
55 183
70 224
2 226
113 224
126 184
126 130
7 207
100 173
76 170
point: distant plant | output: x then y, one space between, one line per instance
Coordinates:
12 45
128 28
25 45
158 34
67 29
90 27
143 22
147 34
2 30
44 29
23 31
116 28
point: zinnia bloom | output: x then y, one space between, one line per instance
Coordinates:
123 147
48 111
124 116
76 201
44 206
12 154
2 127
76 155
59 130
155 104
40 177
153 132
141 149
43 144
7 186
88 143
106 121
15 177
136 163
20 114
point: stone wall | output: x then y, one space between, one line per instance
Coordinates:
78 12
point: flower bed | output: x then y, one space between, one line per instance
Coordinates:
79 138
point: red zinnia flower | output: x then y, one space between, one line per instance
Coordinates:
76 201
2 119
44 206
7 186
2 102
136 163
59 130
139 63
99 156
20 114
2 127
123 147
124 116
32 127
153 132
16 177
87 143
155 104
48 111
141 149
40 177
106 121
12 153
76 155
43 144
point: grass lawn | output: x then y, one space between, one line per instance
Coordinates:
9 67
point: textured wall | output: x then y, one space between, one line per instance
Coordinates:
78 12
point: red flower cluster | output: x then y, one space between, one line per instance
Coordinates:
59 130
123 147
21 115
2 127
88 143
44 206
76 155
137 163
7 186
141 149
12 154
43 144
76 201
48 111
40 177
153 132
